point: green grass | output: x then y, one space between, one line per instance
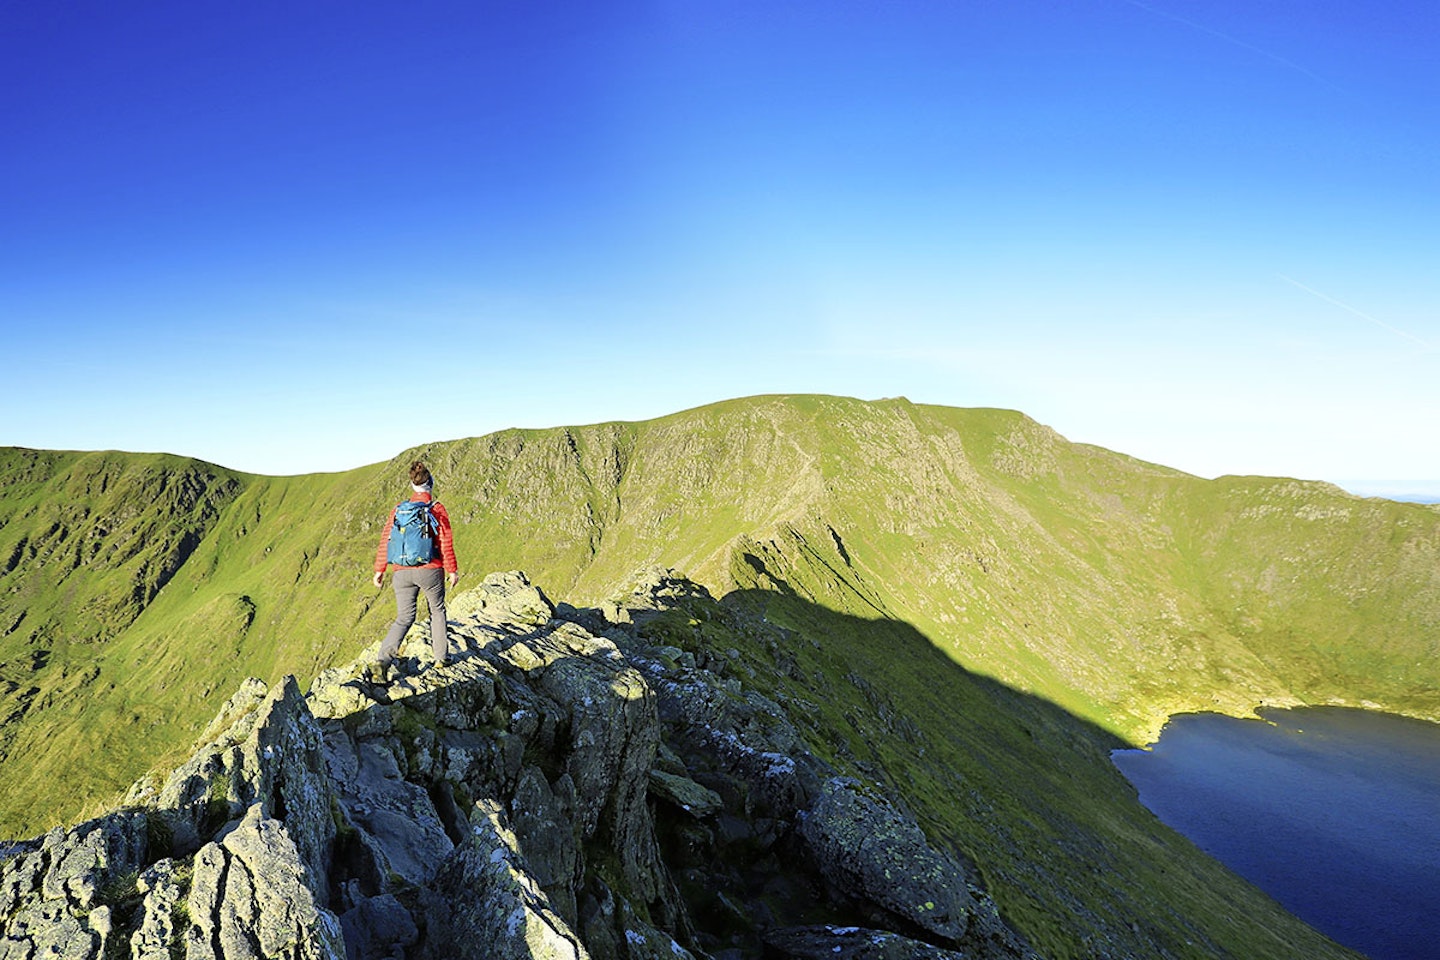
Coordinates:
136 591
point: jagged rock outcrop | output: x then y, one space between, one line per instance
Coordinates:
865 861
564 787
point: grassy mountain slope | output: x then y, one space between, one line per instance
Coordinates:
138 590
89 541
1011 782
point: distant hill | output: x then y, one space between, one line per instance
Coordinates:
137 591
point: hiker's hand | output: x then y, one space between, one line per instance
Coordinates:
378 579
453 577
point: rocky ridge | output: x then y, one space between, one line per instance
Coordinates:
563 787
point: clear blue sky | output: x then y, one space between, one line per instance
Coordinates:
297 237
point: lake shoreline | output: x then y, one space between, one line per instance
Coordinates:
1325 808
1256 710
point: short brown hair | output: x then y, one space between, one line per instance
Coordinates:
419 473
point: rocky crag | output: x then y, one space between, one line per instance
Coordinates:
566 786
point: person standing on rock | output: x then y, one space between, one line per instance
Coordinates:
418 546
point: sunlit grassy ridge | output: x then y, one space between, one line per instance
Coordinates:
137 591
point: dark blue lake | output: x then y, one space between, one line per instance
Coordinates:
1334 813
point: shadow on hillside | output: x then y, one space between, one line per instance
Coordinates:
1016 785
918 670
898 705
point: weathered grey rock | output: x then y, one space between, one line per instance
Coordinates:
93 855
156 928
735 733
339 693
249 899
644 941
659 589
398 818
54 898
615 732
202 905
853 943
268 898
489 906
379 928
780 800
230 723
600 922
559 693
873 853
507 598
466 699
272 753
49 929
685 793
546 834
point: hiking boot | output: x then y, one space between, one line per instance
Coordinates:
380 673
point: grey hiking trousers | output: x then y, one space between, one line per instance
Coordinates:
409 581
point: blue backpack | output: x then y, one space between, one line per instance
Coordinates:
414 538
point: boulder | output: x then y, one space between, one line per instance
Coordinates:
872 853
156 929
698 801
400 824
506 598
853 943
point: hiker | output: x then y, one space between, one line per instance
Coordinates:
417 544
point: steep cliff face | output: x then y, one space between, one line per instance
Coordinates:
562 788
